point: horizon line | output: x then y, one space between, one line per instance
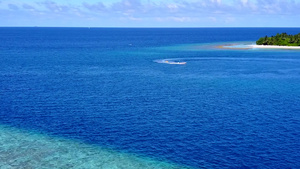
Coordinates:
134 27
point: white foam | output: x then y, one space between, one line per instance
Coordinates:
170 61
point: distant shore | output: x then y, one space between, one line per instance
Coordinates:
247 47
274 47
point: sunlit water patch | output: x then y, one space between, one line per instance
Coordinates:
227 46
20 149
209 46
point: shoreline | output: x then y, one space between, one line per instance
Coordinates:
248 46
273 47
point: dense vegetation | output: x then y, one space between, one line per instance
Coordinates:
281 40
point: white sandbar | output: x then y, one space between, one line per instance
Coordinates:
274 47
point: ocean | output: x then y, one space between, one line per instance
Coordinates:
105 98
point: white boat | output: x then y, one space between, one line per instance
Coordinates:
175 63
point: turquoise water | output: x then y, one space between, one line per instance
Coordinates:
84 98
23 149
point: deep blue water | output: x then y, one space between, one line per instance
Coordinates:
223 109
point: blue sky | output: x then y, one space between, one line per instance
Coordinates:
150 13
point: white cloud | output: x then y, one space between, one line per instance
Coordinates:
130 18
212 19
176 19
244 2
230 19
172 6
182 19
176 11
216 1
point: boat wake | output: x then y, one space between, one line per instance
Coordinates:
170 61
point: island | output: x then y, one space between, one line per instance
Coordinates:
280 40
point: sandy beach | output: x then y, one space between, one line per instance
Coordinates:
274 47
246 47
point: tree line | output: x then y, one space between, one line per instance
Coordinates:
280 39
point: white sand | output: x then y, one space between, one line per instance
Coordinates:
274 47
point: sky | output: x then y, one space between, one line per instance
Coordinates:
150 13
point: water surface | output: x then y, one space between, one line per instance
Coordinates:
104 88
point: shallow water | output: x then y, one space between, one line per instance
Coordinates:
21 149
104 88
